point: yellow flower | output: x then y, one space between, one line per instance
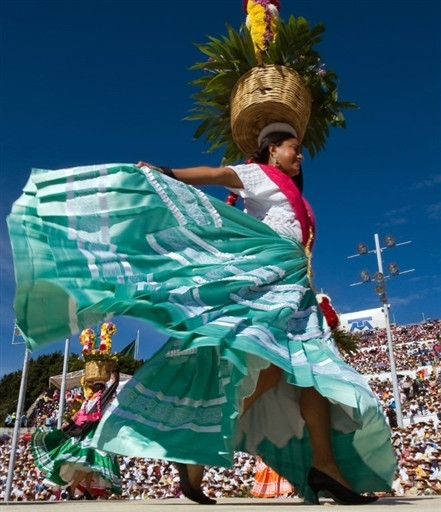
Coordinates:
256 25
262 23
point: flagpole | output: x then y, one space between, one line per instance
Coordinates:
136 344
21 397
62 399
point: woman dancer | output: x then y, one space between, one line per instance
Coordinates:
270 194
66 457
251 364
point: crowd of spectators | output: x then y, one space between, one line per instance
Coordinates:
417 443
417 353
44 411
415 346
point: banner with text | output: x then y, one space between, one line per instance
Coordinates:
363 320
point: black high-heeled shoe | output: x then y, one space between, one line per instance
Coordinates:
192 494
67 493
319 481
88 495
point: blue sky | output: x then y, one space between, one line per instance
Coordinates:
89 82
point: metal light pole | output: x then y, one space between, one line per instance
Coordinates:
20 407
393 369
381 290
61 403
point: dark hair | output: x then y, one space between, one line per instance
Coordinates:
261 156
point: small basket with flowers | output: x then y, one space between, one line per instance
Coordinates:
99 362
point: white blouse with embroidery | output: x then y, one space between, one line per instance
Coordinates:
263 200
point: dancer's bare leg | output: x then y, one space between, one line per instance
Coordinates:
268 378
315 410
88 481
80 475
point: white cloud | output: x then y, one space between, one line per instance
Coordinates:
429 182
405 300
434 211
396 217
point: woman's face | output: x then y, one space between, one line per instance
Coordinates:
97 387
287 157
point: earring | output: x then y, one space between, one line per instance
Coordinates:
276 160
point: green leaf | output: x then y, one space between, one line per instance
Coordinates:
232 55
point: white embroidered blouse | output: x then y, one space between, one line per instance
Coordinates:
263 200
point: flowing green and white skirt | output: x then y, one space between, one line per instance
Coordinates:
233 295
60 457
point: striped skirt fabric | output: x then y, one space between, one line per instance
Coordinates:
60 457
233 296
268 483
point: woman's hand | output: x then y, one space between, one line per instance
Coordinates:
150 166
67 424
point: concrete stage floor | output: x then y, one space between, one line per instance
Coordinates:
403 503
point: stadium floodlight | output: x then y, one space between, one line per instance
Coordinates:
393 269
379 277
362 248
365 276
380 289
390 241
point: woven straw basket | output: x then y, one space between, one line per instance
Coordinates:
265 95
97 371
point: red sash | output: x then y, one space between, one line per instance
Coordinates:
300 206
81 418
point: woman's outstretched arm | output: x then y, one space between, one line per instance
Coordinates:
203 175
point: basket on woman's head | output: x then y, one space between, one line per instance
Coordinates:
265 95
97 371
99 362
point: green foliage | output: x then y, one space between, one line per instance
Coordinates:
347 342
75 363
40 370
128 365
9 389
231 56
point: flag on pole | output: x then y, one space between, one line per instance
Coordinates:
129 350
16 333
136 345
